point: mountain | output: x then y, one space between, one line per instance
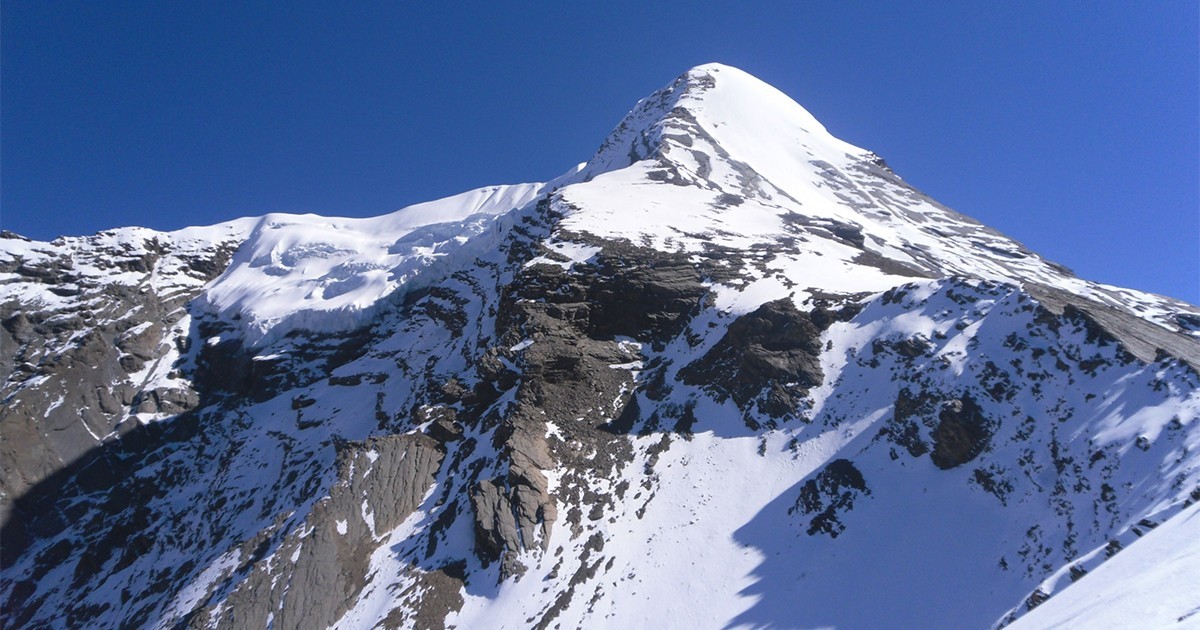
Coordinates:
729 372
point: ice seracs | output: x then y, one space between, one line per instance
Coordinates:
326 274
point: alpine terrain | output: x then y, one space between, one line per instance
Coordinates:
729 372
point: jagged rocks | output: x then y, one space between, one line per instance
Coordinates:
962 433
909 348
1105 324
625 290
572 319
166 400
534 508
902 429
426 604
775 348
508 519
226 367
112 312
443 424
495 524
323 563
516 512
832 491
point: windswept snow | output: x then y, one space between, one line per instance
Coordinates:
1151 584
721 159
325 274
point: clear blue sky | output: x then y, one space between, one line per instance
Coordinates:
1071 126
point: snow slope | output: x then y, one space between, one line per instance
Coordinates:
748 166
325 274
1152 584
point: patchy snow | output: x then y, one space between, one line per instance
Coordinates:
54 405
565 254
1150 584
720 167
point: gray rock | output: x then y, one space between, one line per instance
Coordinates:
770 354
89 348
827 495
962 433
495 524
386 477
1106 324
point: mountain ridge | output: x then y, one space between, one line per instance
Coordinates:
751 349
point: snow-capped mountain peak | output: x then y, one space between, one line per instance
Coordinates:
732 114
730 360
718 159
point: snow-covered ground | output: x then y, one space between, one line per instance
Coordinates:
1155 583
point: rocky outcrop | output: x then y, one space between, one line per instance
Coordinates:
904 428
767 360
952 429
571 322
225 368
516 512
495 522
76 352
962 433
1107 324
317 570
830 493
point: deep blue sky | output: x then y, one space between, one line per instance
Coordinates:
1073 127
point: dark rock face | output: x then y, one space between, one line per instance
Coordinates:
444 427
957 428
1106 324
228 370
625 291
775 348
903 429
572 319
85 350
959 434
322 565
832 491
962 433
